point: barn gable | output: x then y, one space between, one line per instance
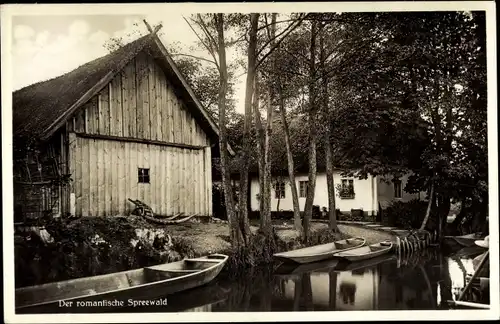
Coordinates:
43 108
124 126
140 103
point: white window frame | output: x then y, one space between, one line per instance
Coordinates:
303 187
398 192
279 190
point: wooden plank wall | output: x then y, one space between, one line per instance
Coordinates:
139 103
107 175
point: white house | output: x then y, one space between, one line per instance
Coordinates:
364 194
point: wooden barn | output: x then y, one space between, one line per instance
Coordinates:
126 125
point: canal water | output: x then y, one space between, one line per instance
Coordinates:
422 281
418 282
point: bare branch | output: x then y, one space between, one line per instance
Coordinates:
278 22
290 28
194 56
287 30
267 28
210 50
207 32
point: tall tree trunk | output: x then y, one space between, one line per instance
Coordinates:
252 60
260 154
429 206
235 234
267 147
332 209
332 212
312 135
297 223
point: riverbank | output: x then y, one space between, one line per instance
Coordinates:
84 247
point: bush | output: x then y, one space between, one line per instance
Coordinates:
407 214
81 248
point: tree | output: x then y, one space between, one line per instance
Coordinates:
250 81
406 104
311 184
201 74
269 48
327 135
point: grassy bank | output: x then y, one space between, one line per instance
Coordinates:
93 246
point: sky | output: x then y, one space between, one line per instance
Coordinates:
46 46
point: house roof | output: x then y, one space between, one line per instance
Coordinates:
41 109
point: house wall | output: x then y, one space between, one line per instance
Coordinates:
365 197
385 192
137 121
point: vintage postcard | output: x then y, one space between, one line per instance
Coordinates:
176 162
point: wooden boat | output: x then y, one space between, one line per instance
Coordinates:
467 305
468 251
463 240
354 266
319 252
365 252
97 292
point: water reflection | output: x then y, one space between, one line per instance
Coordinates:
418 282
348 292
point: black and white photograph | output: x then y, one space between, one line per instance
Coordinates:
249 161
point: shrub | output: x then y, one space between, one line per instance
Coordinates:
81 248
407 214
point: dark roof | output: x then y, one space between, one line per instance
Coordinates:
39 109
36 107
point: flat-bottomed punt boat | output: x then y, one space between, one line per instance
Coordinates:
365 252
464 240
99 291
319 252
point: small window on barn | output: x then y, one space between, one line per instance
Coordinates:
397 189
279 190
347 189
303 188
143 175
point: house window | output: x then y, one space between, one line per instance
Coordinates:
397 189
347 190
143 175
303 188
279 190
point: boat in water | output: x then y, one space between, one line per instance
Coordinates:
365 252
466 240
319 252
115 290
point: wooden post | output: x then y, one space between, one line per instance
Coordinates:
476 273
148 26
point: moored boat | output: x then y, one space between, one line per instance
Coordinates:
115 290
468 251
463 240
319 252
365 252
